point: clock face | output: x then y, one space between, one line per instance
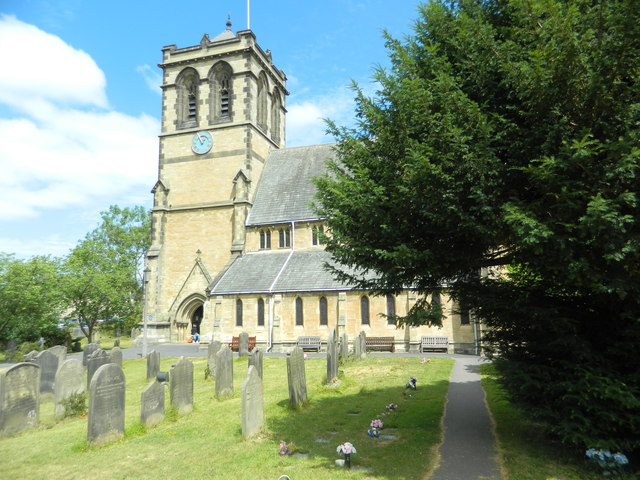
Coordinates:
202 142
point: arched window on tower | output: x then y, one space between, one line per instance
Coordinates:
187 102
276 107
220 93
262 102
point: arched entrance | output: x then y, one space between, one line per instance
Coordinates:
190 316
196 319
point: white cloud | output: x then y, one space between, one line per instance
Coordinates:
152 78
64 147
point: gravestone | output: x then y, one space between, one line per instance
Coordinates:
59 351
297 378
332 357
344 348
224 372
97 359
152 405
48 364
19 398
212 349
243 344
31 356
115 356
153 364
252 403
255 359
106 405
181 386
89 348
69 381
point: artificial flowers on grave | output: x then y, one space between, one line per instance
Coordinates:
412 383
286 449
346 449
391 407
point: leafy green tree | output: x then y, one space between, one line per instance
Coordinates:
102 274
30 300
506 135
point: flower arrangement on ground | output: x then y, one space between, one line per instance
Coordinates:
610 464
287 449
377 423
391 407
412 383
346 449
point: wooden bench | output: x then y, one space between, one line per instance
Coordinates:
309 343
434 343
380 343
235 343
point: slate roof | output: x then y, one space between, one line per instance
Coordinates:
277 272
286 190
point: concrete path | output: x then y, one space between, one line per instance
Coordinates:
469 451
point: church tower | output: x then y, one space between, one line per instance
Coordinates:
222 113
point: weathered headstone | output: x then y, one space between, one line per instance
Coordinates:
115 356
153 364
59 351
89 348
332 357
255 359
297 378
212 349
252 403
106 405
19 398
224 372
152 405
31 356
243 344
48 364
344 348
181 386
97 359
69 381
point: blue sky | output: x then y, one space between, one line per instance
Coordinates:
78 74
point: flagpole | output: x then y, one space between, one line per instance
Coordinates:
248 14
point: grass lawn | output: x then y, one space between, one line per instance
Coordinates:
208 442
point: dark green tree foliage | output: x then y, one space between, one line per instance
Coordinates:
102 278
506 133
30 302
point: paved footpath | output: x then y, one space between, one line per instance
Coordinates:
469 450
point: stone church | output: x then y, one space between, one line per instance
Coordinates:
236 244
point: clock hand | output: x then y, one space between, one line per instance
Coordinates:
200 138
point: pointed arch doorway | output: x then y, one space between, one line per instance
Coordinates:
196 319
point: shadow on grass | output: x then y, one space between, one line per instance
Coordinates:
407 446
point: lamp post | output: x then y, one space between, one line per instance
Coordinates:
146 277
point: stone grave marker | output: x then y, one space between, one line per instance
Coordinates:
59 351
224 372
297 378
332 357
252 403
344 348
153 364
255 359
89 348
115 356
243 344
106 405
19 398
181 386
31 356
69 380
97 359
48 364
152 404
212 349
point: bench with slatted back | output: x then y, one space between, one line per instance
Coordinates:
235 343
309 343
434 343
380 343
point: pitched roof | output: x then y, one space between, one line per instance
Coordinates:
278 272
286 190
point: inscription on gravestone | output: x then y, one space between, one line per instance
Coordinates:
106 405
224 372
19 398
69 381
297 378
181 386
252 403
152 405
153 364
